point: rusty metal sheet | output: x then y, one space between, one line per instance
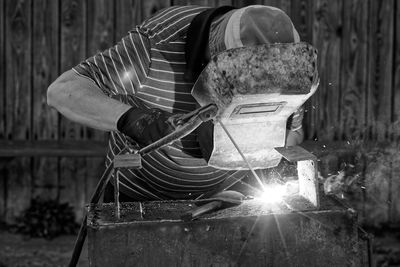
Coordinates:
255 89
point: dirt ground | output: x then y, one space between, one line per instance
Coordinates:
18 251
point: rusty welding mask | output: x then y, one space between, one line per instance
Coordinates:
256 89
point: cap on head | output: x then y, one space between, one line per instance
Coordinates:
251 25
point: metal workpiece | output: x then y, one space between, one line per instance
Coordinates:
255 90
251 234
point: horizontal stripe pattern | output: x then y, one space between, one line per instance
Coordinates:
149 64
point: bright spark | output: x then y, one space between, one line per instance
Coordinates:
273 193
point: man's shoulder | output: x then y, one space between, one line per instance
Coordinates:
172 13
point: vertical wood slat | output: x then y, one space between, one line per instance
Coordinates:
327 32
2 71
18 69
73 50
354 70
128 14
18 51
100 25
45 70
3 179
381 25
285 5
396 72
395 188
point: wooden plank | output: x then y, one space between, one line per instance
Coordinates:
395 201
243 3
149 7
2 71
18 69
302 18
394 188
396 75
380 67
45 70
354 70
221 3
52 148
129 15
285 5
96 166
72 182
3 178
73 50
18 107
100 23
327 33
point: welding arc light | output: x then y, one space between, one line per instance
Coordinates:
273 193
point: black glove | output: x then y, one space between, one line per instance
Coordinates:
205 135
145 126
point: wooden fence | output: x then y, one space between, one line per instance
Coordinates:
358 98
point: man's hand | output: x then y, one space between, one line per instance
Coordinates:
205 135
145 126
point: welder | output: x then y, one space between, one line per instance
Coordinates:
132 88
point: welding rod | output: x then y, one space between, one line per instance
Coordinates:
242 155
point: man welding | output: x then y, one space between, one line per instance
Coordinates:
132 88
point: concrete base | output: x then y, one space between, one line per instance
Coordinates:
252 234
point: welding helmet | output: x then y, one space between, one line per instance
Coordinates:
241 42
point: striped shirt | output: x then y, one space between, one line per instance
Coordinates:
149 64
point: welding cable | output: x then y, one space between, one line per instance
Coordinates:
242 155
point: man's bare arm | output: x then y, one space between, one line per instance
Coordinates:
80 100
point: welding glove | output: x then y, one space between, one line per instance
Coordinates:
145 126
